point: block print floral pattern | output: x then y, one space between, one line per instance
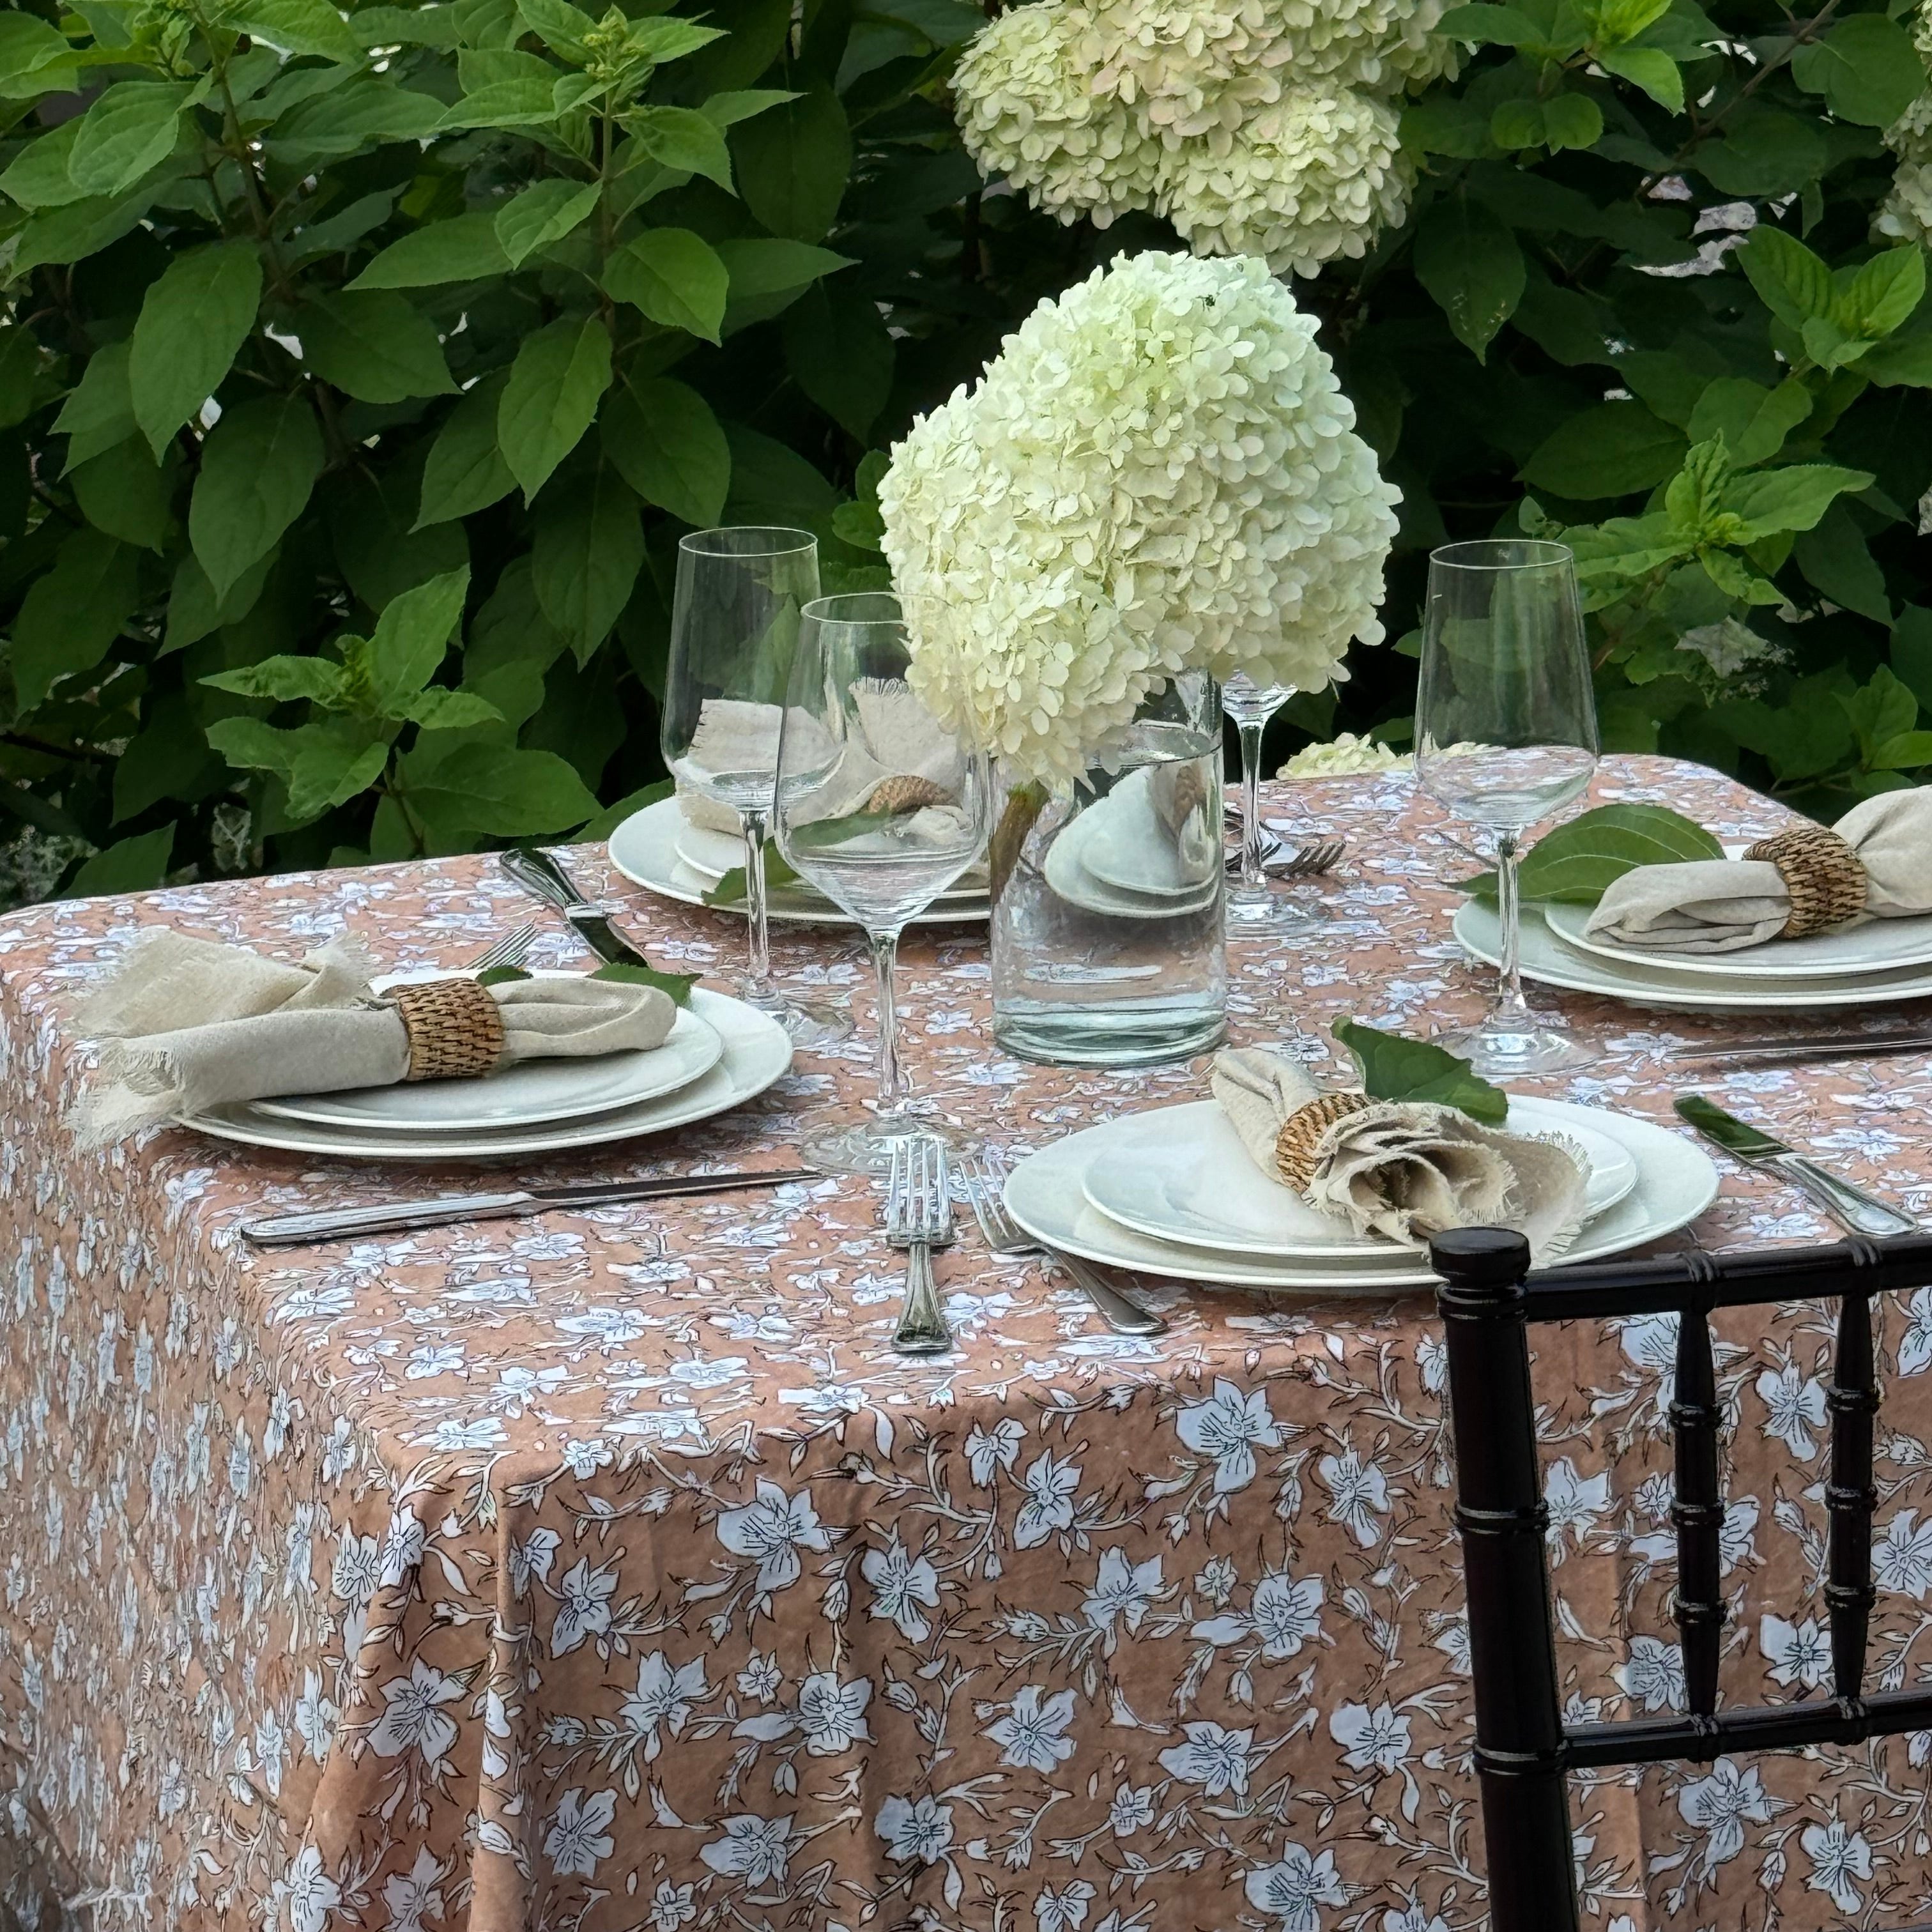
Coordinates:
608 1573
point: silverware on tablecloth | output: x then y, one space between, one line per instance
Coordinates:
1280 860
342 1224
918 1218
1852 1207
507 951
541 876
985 1190
1806 1046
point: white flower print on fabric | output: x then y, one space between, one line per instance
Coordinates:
1902 1561
310 1893
1295 1888
1653 1675
773 1530
1841 1860
1032 1735
579 1837
672 1906
1217 1759
414 1895
1121 1590
1132 1809
664 1696
1358 1494
1721 1804
1795 1406
1228 1428
1575 1503
530 1560
1378 1738
414 1718
922 1830
1065 1910
904 1587
755 1849
1798 1653
1050 1486
990 1451
584 1605
1413 1917
1915 1347
831 1715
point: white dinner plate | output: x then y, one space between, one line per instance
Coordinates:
1068 874
644 849
1545 958
1676 1181
1880 946
525 1095
712 854
1127 846
756 1051
1180 1174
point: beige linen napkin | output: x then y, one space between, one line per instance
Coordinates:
1404 1170
1718 905
185 1024
896 739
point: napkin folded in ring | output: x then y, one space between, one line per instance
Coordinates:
184 1025
900 760
1875 863
1403 1170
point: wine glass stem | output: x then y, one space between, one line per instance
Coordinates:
1250 729
892 1080
1511 1007
758 969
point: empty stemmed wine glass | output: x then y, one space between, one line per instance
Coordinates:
734 626
1506 732
1253 909
882 808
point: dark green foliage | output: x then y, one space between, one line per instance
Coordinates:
358 375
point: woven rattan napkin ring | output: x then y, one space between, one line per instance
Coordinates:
1824 877
907 793
1301 1133
455 1028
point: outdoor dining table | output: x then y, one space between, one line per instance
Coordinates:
607 1570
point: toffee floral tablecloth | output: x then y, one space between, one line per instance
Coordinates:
608 1572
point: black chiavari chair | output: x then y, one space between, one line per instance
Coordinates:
1487 1299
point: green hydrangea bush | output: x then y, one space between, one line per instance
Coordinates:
360 366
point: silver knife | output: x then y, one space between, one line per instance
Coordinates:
1809 1046
540 875
1850 1206
342 1224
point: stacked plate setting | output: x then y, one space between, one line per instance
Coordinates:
659 849
1174 1193
720 1053
1114 859
1877 964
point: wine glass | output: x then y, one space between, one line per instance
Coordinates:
1506 732
1252 910
882 808
734 626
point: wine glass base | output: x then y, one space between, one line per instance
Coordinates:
866 1147
1515 1048
1272 915
806 1023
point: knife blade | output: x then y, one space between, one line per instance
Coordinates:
1850 1206
1810 1046
542 877
338 1224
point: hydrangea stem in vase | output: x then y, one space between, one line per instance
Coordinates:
1156 485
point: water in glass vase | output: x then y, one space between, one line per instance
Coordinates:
1108 922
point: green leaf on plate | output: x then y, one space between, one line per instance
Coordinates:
501 976
729 890
677 984
1395 1068
1577 863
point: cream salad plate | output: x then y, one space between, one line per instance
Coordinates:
1548 959
1646 1182
645 849
753 1050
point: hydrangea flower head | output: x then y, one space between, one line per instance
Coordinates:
1158 473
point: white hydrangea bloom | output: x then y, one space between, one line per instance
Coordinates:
1158 473
1906 214
1344 755
1317 176
1029 109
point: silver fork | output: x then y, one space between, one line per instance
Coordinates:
507 951
985 1189
1306 861
918 1218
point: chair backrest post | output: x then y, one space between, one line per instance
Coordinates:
1502 1520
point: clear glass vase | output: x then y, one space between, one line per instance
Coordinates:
1108 935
